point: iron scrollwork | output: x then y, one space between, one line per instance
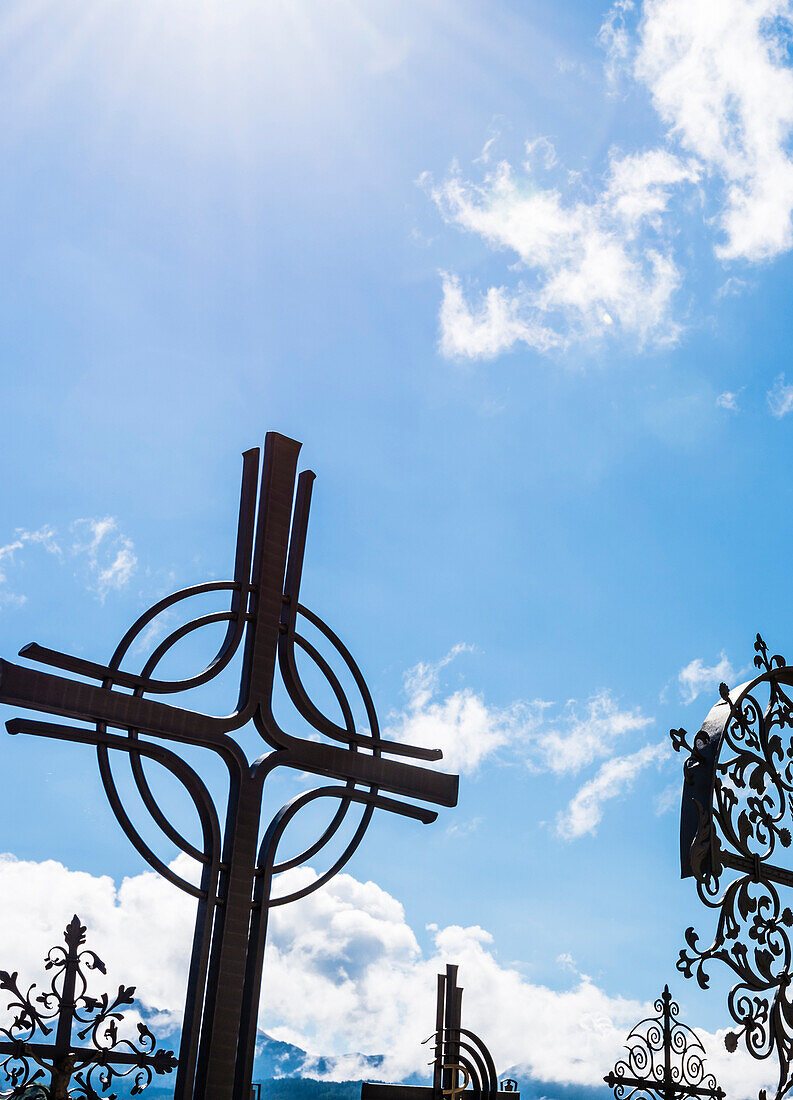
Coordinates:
736 809
665 1061
88 1052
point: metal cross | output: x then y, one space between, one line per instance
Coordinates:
461 1058
666 1060
234 893
74 1070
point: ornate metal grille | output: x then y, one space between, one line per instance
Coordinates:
263 617
735 816
86 1071
666 1060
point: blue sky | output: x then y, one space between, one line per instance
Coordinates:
518 276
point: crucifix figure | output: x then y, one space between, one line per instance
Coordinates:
666 1060
88 1066
462 1064
263 619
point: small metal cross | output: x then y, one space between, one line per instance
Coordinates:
74 1070
665 1060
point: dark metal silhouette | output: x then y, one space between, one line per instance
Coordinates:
234 891
666 1061
736 816
82 1065
462 1064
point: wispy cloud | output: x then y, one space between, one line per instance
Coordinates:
461 723
668 799
99 551
110 554
576 738
728 400
613 779
780 397
696 677
537 735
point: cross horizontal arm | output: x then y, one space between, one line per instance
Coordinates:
662 1086
37 690
83 1055
391 775
766 870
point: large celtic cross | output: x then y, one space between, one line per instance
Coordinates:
119 712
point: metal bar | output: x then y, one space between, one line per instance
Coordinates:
371 1091
747 867
658 1086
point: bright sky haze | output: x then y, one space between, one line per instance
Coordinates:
518 276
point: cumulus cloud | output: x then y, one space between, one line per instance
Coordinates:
600 261
344 973
612 780
696 677
587 265
780 397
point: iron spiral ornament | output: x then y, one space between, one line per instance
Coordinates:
735 831
665 1060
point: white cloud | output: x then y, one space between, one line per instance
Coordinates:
602 261
719 80
615 38
344 972
668 799
728 400
110 555
588 265
613 779
9 556
461 724
780 397
490 327
579 737
696 677
535 734
732 287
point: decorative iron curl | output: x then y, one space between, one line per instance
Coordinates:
735 816
85 1064
666 1060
